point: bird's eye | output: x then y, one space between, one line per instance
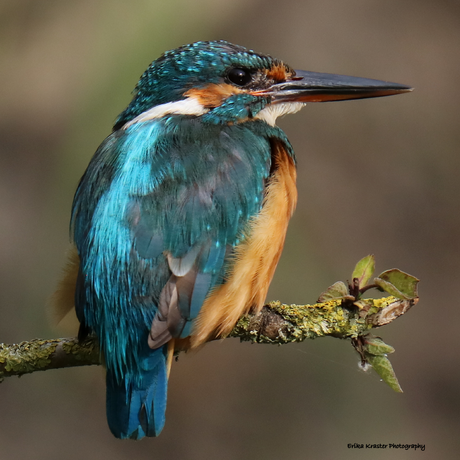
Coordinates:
239 77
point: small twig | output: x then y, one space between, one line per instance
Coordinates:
366 288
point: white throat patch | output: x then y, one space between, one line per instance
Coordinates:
189 106
270 113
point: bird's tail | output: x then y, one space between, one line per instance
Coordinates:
136 405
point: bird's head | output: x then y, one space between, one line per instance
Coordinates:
225 83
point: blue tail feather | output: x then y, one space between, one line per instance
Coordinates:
136 405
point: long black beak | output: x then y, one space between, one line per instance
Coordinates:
323 87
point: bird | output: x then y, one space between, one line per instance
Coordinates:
180 219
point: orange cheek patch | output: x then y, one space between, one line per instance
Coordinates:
279 72
212 95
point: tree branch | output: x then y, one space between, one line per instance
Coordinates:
276 323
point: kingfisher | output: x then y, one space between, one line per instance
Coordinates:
179 221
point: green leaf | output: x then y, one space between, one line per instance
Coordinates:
383 367
390 288
398 283
364 270
376 346
336 291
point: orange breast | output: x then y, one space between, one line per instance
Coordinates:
256 258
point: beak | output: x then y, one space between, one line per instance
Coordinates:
323 87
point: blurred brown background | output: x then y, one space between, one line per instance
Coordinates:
375 176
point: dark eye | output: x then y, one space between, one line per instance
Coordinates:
239 77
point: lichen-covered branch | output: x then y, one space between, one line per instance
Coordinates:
276 323
41 355
279 323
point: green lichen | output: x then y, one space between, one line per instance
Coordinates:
335 317
380 304
81 351
313 321
27 357
40 355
